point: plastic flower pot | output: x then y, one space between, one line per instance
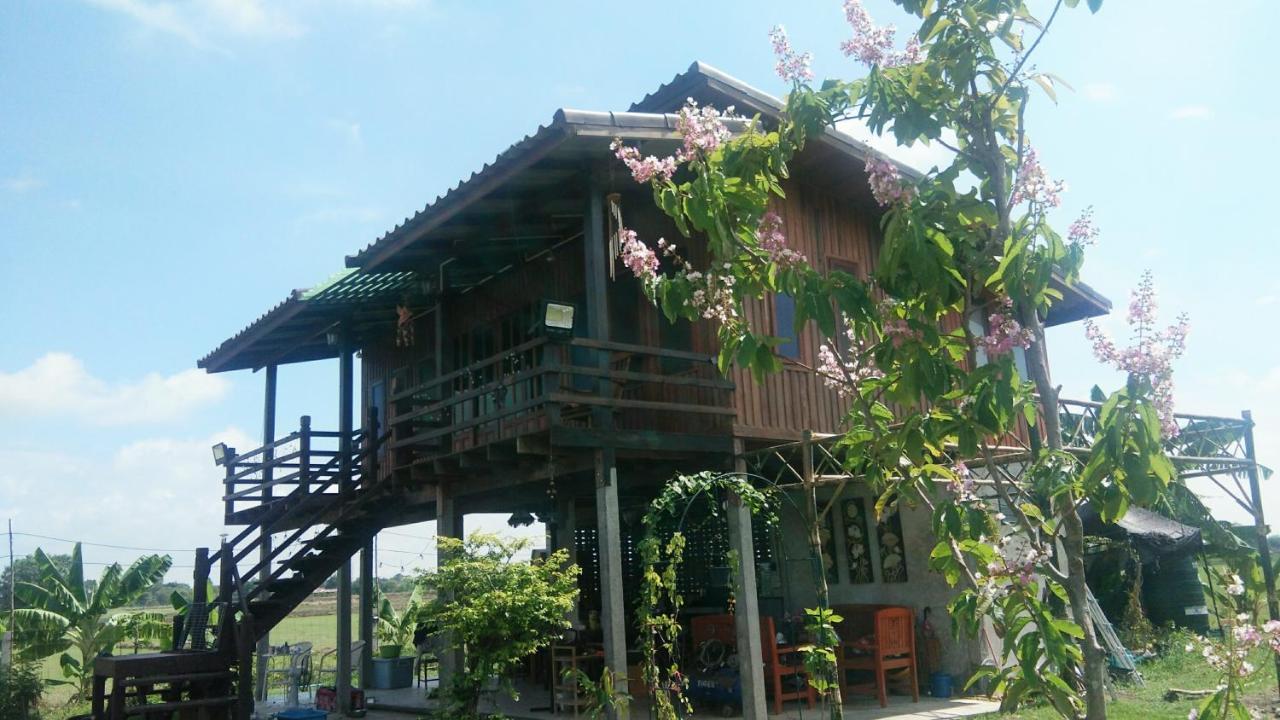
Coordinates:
389 651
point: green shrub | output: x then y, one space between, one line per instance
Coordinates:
20 691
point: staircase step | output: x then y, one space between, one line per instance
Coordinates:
189 677
304 562
285 586
337 543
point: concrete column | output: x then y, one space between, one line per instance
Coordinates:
448 525
367 610
747 603
609 532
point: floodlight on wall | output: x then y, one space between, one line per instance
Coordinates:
222 453
332 338
557 319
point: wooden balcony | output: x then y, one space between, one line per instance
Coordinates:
574 392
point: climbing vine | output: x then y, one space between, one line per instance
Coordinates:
660 600
657 615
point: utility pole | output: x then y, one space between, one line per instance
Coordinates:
6 640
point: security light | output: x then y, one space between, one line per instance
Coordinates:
557 319
222 453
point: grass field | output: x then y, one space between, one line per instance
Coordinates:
1177 669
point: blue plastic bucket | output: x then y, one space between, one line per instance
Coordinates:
940 685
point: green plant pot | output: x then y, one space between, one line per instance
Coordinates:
389 651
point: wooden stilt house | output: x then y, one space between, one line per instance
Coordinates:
505 365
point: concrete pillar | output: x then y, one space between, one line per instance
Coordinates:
747 603
448 525
609 532
343 681
367 610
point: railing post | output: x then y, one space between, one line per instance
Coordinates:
304 454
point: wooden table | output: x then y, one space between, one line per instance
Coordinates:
126 671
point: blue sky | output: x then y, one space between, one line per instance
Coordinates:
169 170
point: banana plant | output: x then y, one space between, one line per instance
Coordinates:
395 629
64 613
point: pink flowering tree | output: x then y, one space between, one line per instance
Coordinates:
971 242
1230 656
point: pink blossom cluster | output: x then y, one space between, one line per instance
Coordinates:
1004 332
873 46
639 258
1033 184
1229 656
712 297
1020 569
1152 353
774 241
703 129
791 66
643 169
845 374
895 328
962 483
886 182
1082 231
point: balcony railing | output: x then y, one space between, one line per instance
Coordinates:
305 465
545 383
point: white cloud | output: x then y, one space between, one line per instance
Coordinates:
171 482
919 156
348 129
58 385
22 183
200 22
1099 92
1191 112
156 16
251 18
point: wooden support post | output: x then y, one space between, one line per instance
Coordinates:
367 609
746 618
609 533
448 525
264 545
346 381
346 414
200 577
596 262
229 483
1260 526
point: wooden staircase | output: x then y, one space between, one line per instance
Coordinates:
325 519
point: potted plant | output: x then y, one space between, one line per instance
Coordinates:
395 632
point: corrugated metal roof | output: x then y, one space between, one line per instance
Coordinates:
644 116
346 289
649 118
